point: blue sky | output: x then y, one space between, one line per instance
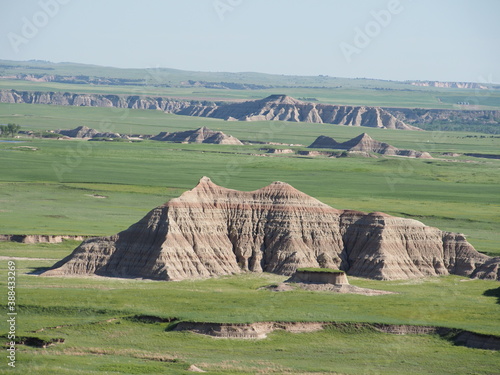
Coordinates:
447 40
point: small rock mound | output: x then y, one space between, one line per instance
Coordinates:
84 132
79 132
200 135
194 368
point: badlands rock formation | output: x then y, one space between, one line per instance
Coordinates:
201 135
365 143
279 107
285 108
85 132
211 230
453 85
78 132
38 238
274 107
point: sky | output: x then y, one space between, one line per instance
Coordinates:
443 40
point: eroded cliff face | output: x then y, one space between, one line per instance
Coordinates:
97 100
201 135
365 143
211 230
285 108
274 107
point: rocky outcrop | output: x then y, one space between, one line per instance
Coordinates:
98 100
260 330
451 85
319 277
420 116
316 153
271 150
201 135
274 107
285 108
210 231
85 132
366 144
38 238
79 132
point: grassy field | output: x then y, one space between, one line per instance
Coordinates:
100 188
94 317
56 185
130 121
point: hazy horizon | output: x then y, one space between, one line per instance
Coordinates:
400 40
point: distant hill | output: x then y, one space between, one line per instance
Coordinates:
201 135
85 132
366 144
67 72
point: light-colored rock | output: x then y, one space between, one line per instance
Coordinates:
274 107
211 231
363 143
277 150
285 108
79 132
194 368
280 107
85 132
260 330
38 238
201 135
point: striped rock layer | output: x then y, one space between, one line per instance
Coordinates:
210 231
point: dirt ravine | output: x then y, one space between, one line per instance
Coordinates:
260 330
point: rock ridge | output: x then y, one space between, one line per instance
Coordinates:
38 238
365 143
272 108
388 117
212 231
200 135
286 108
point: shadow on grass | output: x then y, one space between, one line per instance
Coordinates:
38 270
493 293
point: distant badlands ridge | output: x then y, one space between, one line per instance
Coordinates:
274 107
213 231
362 145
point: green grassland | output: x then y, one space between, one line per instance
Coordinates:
95 318
56 184
100 188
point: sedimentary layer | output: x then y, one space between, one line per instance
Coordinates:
201 135
366 144
211 230
274 107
